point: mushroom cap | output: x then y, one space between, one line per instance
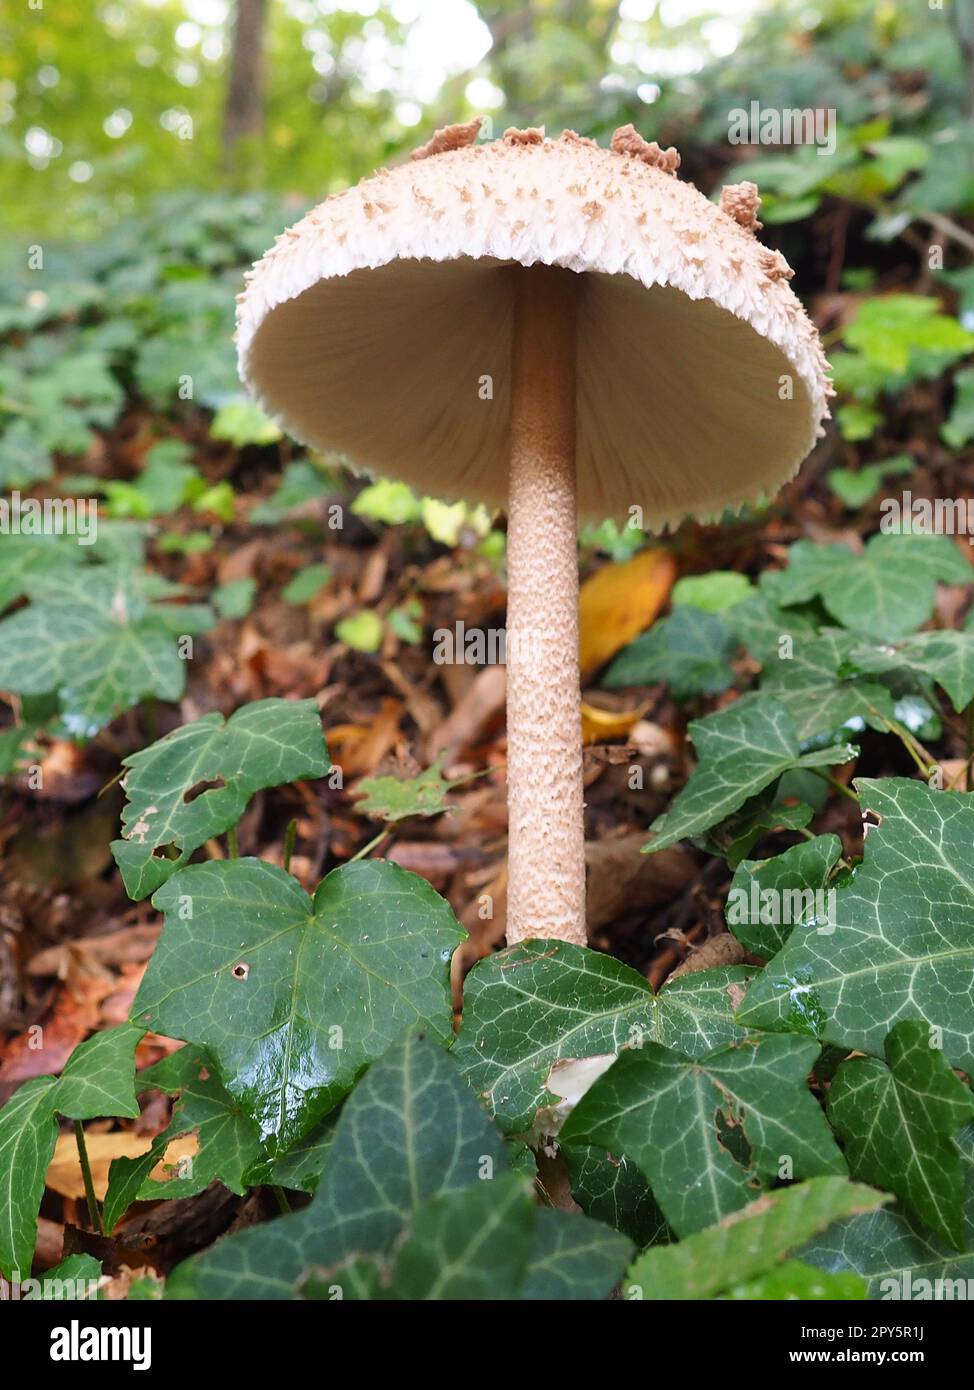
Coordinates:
380 326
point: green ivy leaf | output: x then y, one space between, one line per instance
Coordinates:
234 599
892 329
28 1133
543 1002
62 1283
100 644
300 1169
959 429
293 995
396 798
243 422
713 592
898 1123
197 781
24 558
301 484
709 1132
818 700
465 1246
896 1255
762 924
796 1280
855 488
615 1190
690 650
361 631
228 1141
410 1130
887 591
741 750
306 583
484 1244
390 501
761 815
98 1080
903 943
748 1244
99 1076
945 656
759 624
572 1258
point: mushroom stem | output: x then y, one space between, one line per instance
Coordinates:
546 844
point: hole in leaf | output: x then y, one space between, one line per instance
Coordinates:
241 970
869 819
170 851
200 787
731 1136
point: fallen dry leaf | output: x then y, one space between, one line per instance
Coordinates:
64 1174
620 602
605 725
363 746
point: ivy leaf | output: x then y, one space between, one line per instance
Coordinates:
197 781
486 1243
306 583
234 599
99 1076
572 1258
28 1133
300 1169
748 1244
690 651
818 700
24 558
759 816
410 1130
709 1133
228 1141
714 592
897 1256
741 750
903 943
99 1079
959 428
887 591
293 995
796 1280
472 1245
302 485
362 631
615 1190
396 798
945 656
759 624
100 644
792 882
810 567
63 1282
856 488
243 422
542 1002
898 1123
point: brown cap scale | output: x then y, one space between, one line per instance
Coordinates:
558 328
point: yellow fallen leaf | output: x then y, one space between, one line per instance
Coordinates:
619 603
64 1174
600 725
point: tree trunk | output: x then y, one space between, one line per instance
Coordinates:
243 117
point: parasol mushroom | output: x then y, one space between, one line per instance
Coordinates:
562 329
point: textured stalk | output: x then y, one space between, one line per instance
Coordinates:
546 846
